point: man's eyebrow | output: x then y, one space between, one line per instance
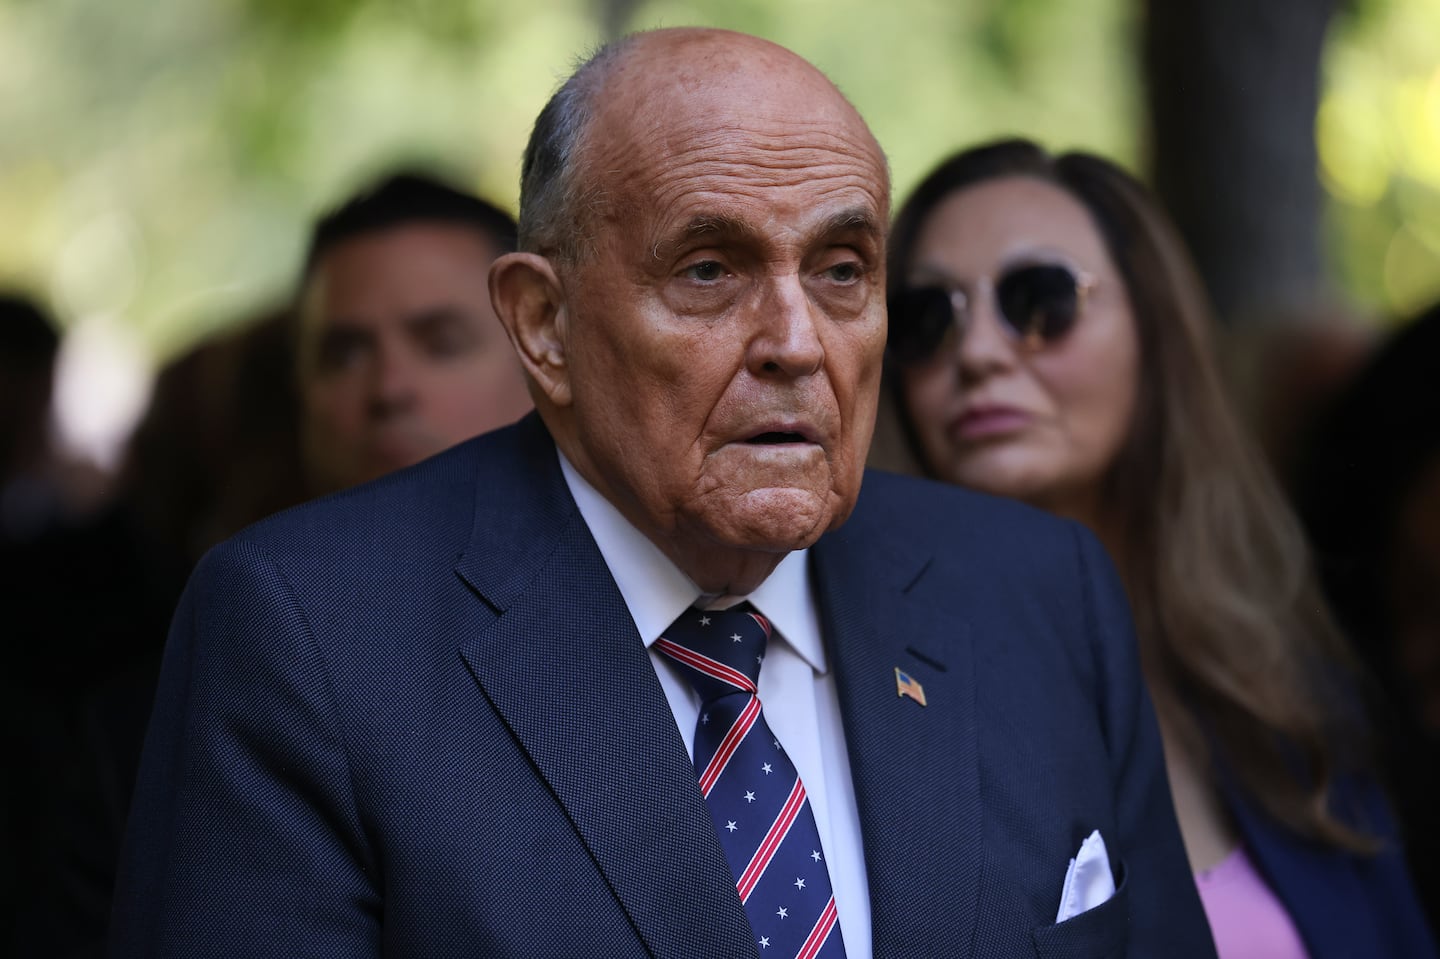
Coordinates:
434 316
723 225
711 224
704 227
851 220
342 327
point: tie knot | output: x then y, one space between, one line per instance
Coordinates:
719 650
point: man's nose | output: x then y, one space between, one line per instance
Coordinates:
393 382
789 339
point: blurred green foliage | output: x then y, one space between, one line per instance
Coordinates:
160 161
1378 134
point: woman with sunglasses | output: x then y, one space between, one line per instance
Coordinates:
1049 341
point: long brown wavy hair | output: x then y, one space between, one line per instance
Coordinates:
1248 667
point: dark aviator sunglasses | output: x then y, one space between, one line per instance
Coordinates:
1038 304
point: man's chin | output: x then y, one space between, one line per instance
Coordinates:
772 519
396 454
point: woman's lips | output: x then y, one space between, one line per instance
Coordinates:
987 422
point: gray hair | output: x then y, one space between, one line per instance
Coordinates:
553 191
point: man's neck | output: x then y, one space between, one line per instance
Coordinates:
724 572
715 568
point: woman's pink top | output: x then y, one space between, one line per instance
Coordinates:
1246 919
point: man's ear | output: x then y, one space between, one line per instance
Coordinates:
527 295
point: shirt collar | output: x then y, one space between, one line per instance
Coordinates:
657 592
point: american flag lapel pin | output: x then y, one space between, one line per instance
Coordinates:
907 686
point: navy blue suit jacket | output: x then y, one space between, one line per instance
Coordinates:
416 719
1343 904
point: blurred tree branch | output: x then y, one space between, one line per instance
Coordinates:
1232 89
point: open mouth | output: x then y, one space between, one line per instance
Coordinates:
776 439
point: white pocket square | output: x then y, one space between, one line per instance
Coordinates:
1088 882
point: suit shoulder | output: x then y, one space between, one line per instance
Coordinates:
421 517
998 548
891 504
431 500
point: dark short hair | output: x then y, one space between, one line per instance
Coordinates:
406 198
553 206
28 338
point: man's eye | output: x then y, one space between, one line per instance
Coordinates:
844 272
447 339
338 353
446 344
706 271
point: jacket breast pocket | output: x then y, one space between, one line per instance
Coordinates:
1099 933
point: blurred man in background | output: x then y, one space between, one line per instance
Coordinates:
400 352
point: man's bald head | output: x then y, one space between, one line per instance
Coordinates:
669 71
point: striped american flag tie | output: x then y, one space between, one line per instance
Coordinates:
755 795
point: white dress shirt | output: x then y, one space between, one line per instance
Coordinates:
796 690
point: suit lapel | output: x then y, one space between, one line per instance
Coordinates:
564 667
915 767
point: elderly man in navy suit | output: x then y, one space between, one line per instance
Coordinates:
648 673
